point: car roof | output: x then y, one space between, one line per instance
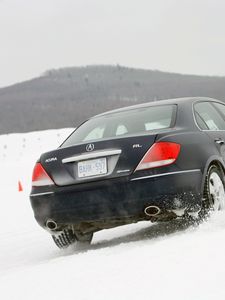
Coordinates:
177 101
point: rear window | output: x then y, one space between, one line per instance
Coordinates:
129 122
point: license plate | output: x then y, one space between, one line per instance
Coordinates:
92 167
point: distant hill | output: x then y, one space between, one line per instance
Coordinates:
65 97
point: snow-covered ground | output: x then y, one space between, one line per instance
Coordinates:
140 261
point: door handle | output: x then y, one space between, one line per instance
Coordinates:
219 141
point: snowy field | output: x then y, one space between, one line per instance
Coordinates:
140 261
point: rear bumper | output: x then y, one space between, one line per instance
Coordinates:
117 199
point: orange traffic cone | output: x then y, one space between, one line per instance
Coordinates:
20 187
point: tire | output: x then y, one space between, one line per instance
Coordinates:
213 195
67 237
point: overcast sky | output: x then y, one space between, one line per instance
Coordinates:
185 36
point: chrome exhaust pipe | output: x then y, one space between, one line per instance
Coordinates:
51 224
152 210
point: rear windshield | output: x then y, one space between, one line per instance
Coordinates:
125 123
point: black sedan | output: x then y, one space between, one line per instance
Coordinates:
156 161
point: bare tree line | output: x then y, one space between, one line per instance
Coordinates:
65 97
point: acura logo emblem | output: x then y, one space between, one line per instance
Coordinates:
90 147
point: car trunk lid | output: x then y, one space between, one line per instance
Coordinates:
96 160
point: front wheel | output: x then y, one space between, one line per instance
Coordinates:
68 237
214 195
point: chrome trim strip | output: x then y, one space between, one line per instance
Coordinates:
123 171
41 194
90 155
165 174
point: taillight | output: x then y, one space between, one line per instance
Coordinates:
40 177
160 154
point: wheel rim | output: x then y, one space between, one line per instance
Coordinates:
216 190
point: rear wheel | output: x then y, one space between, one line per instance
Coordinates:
214 195
68 237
